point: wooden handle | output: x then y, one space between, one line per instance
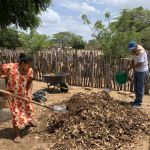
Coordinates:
22 98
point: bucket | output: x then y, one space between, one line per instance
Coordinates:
121 77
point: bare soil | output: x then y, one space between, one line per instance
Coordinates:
31 137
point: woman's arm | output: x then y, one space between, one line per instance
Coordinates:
29 84
2 75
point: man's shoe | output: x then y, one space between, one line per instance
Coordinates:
136 105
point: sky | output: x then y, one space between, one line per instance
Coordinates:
65 15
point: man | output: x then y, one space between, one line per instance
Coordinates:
140 66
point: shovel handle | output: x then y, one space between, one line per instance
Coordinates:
22 98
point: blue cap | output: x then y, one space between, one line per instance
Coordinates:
132 45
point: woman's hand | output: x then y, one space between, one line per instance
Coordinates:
29 84
29 94
3 76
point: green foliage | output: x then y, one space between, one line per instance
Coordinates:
93 44
136 19
135 25
85 19
78 43
145 33
107 15
34 41
114 38
22 13
68 39
63 38
119 44
9 38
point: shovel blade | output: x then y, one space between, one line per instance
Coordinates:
59 108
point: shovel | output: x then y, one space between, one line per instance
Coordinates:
60 108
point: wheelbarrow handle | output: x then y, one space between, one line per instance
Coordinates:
22 98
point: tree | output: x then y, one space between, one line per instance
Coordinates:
21 13
9 38
63 38
137 19
135 22
93 44
119 43
102 33
107 16
34 41
78 43
68 39
130 25
145 33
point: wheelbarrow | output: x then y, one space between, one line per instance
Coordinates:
57 80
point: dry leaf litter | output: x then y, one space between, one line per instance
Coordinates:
95 121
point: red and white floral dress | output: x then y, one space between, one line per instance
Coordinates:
21 110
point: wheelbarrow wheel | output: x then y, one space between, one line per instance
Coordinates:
64 87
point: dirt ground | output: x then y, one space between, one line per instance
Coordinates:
32 141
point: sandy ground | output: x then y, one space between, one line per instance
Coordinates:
31 141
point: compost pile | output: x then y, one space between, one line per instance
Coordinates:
95 121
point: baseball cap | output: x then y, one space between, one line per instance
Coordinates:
132 45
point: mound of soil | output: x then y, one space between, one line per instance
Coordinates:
96 121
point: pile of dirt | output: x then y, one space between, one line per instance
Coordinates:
95 121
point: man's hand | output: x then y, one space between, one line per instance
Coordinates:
130 67
127 69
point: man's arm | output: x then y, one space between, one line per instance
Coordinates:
140 62
131 65
136 66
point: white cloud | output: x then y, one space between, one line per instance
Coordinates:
100 2
63 23
79 6
53 22
122 4
107 9
115 6
114 15
50 17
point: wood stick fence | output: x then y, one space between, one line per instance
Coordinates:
86 68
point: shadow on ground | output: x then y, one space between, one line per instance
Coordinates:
6 133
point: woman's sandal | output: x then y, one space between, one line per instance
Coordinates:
17 139
33 124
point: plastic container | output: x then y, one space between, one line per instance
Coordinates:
121 77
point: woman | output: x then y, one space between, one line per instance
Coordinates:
19 81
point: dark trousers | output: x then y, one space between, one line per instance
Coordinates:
139 82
